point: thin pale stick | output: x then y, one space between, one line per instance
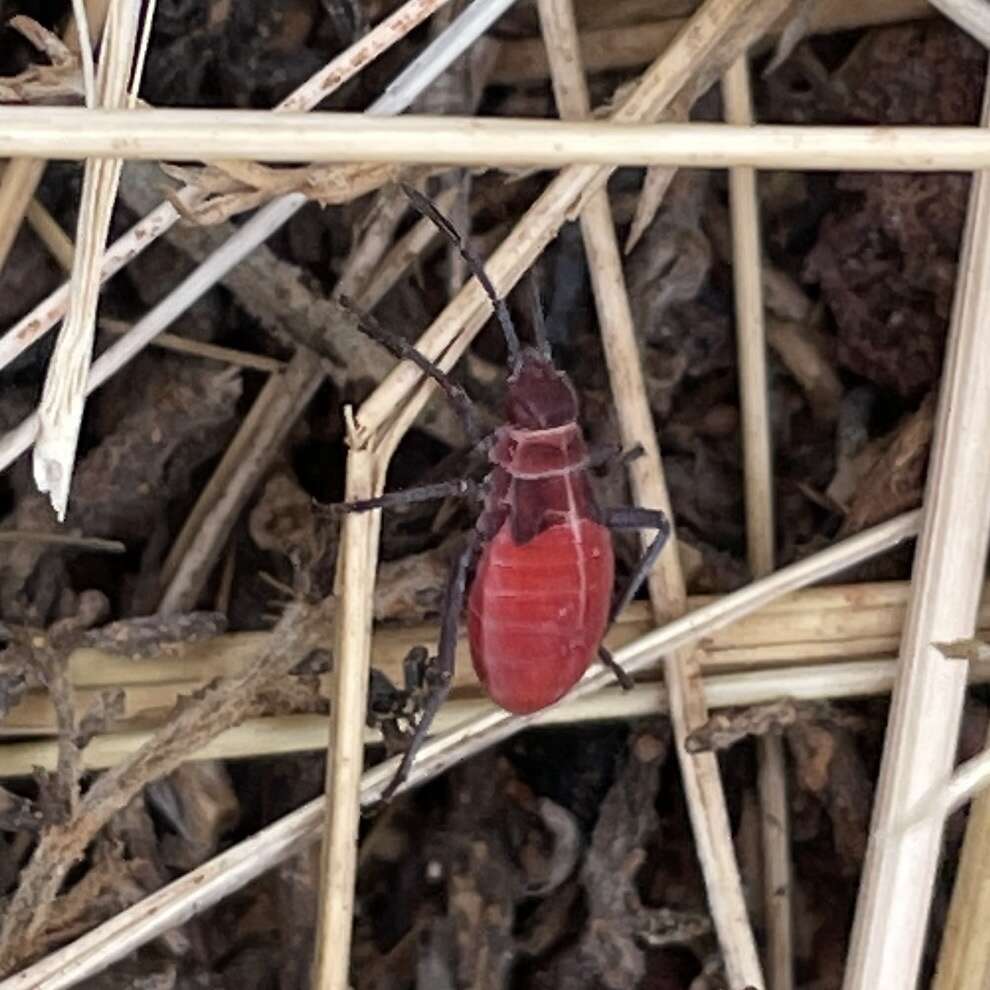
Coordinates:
202 349
899 873
367 465
758 487
51 234
345 754
319 86
192 135
205 886
63 396
61 540
702 785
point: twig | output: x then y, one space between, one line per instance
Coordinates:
62 540
630 47
702 786
209 883
202 349
758 484
505 142
899 872
63 396
338 865
51 234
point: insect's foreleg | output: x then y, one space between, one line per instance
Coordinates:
611 456
633 517
458 487
440 672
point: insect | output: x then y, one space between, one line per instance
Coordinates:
540 600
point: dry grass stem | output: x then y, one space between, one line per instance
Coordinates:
490 142
202 349
64 394
625 47
758 487
486 725
51 234
63 540
706 802
345 753
899 873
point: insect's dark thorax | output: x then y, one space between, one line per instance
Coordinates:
539 478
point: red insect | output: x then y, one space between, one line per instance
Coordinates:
541 598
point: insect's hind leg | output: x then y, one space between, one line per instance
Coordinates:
439 674
457 487
634 517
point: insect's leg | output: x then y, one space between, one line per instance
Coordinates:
633 517
612 456
439 675
427 209
625 681
462 487
401 348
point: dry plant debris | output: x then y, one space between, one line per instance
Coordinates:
562 859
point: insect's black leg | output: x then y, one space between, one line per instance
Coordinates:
536 314
612 456
625 681
427 209
633 517
462 487
401 348
440 674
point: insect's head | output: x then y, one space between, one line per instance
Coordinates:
540 395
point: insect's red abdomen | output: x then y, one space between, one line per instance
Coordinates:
538 610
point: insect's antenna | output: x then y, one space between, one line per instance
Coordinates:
428 210
404 351
537 316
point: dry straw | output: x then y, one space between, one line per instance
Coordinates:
63 397
255 135
751 353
